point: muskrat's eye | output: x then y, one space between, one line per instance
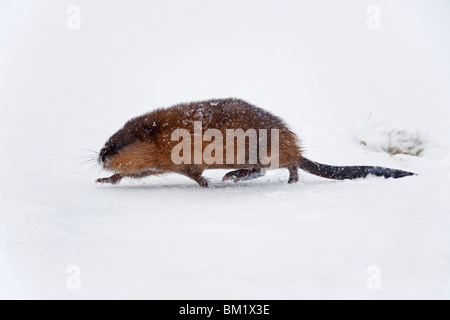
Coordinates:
118 148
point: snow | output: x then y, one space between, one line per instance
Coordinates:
317 66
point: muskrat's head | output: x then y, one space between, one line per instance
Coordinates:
131 149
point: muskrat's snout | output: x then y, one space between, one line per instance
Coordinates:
107 152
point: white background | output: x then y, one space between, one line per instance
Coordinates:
314 63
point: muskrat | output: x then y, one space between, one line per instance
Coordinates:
144 145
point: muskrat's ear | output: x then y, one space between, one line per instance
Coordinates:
147 132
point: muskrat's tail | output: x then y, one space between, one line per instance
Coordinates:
349 172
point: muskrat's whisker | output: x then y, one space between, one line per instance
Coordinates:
87 162
87 156
100 169
87 149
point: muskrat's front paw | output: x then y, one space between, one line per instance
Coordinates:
113 179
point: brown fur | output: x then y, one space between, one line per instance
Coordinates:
147 139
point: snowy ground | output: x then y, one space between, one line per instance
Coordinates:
314 63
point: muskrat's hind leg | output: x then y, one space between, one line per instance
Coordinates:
293 174
195 174
243 174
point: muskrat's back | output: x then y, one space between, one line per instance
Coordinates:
226 114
